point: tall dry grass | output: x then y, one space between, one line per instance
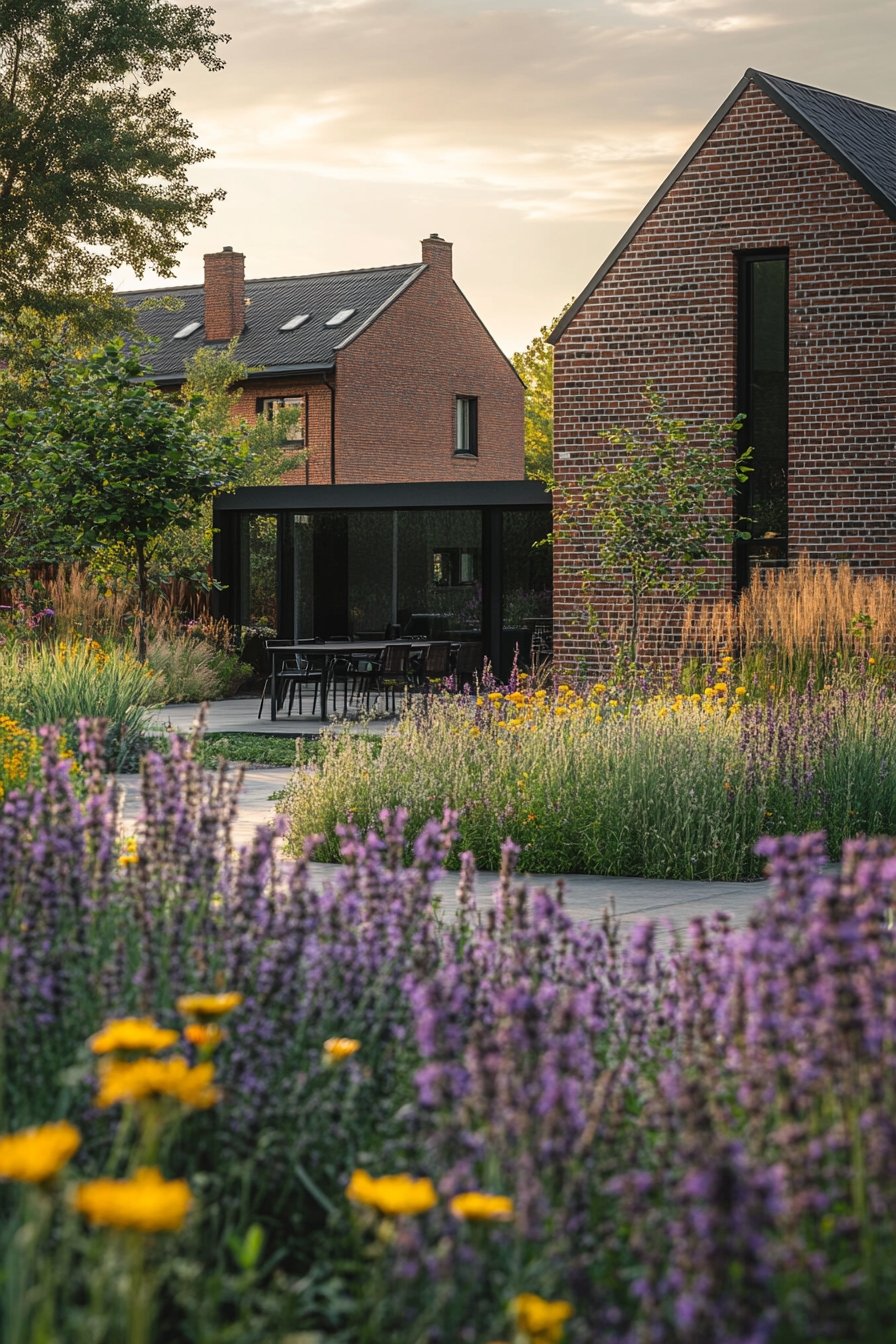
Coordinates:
798 624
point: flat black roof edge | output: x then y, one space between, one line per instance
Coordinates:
403 495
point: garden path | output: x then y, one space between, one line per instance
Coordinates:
634 898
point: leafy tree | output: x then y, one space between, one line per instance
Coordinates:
214 377
122 462
535 365
94 161
657 507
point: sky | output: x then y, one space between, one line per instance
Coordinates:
528 133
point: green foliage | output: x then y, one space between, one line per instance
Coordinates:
122 462
657 507
252 749
65 682
214 377
94 161
662 788
189 669
535 365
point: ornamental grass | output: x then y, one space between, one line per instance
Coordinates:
64 681
670 786
548 1131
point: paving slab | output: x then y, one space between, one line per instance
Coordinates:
240 715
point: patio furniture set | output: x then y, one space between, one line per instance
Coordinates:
362 669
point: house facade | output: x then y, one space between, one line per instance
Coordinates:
760 278
407 510
392 374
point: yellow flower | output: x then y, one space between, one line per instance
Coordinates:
599 688
475 731
132 1034
208 1005
740 690
203 1037
540 1321
392 1195
144 1078
128 852
338 1048
145 1204
871 662
34 1155
495 697
475 1207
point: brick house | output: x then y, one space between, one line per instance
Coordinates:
760 278
394 375
411 512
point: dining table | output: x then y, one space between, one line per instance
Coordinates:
328 652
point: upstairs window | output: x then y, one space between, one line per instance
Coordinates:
271 406
466 427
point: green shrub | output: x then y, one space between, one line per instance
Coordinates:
63 682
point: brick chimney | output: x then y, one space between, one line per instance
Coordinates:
437 254
225 294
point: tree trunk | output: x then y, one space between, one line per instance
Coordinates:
142 601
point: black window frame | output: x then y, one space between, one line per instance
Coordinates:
466 444
265 406
745 326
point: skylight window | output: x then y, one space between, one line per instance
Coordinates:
186 331
295 322
338 318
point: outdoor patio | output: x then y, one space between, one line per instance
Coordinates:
240 715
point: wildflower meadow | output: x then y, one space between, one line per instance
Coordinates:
602 781
239 1103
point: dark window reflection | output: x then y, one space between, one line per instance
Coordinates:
763 397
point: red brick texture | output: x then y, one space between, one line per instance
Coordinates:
667 311
395 389
397 383
225 294
316 470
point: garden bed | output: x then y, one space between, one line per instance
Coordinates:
602 1140
671 786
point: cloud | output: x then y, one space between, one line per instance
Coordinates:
340 120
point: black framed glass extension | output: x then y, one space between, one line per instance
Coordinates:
763 397
454 561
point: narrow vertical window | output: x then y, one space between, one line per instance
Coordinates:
762 396
466 426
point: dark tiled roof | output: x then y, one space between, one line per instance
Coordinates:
861 137
273 302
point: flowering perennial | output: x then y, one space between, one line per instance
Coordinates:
146 1203
36 1155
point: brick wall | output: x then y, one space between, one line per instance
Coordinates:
317 425
667 310
397 383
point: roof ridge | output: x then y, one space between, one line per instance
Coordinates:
277 279
816 88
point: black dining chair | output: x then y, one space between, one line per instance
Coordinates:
386 675
435 666
295 672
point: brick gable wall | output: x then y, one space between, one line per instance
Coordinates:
397 384
667 311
